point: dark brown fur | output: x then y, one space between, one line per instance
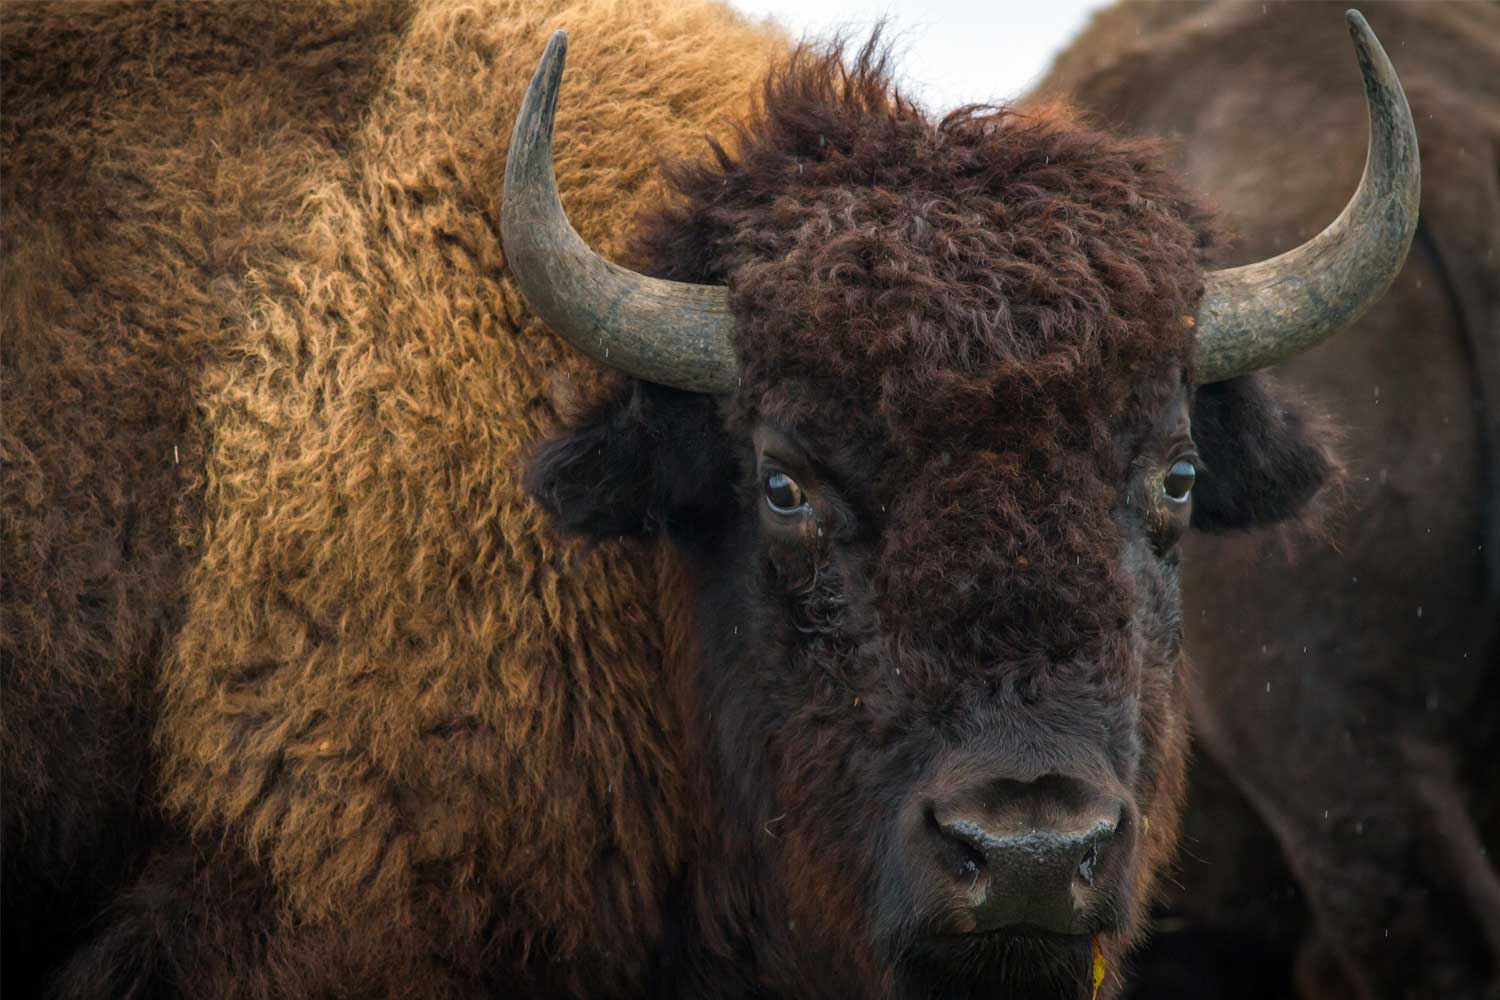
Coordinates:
1347 692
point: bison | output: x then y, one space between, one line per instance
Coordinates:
838 647
1345 694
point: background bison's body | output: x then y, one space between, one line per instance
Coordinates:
1347 685
267 393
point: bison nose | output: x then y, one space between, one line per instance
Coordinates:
1022 857
1037 877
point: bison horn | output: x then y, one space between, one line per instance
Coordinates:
662 331
1262 313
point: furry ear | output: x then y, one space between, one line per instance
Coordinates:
1266 455
650 460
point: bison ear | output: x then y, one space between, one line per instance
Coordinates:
1267 456
650 460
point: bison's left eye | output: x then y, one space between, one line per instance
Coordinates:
783 495
1178 482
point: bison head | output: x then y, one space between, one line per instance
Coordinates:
924 405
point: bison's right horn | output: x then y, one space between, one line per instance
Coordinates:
1262 313
661 331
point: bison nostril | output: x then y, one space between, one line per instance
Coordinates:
971 865
1087 865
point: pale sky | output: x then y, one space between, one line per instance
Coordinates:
951 52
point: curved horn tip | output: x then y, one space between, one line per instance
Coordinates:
1367 47
557 44
549 68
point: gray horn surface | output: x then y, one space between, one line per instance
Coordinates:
1262 313
670 332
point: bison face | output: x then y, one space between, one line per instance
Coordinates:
930 486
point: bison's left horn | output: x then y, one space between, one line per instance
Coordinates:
662 331
1262 313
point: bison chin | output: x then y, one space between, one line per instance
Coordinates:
1005 965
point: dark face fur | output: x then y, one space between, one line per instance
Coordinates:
936 535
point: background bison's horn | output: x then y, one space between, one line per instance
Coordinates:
662 331
1262 313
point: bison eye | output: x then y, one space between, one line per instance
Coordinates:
1178 482
782 493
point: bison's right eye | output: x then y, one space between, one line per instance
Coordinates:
783 495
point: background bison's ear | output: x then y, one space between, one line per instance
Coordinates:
1266 454
650 460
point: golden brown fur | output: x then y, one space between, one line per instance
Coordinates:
261 349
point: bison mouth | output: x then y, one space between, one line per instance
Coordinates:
1009 964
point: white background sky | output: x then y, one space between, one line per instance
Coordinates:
951 52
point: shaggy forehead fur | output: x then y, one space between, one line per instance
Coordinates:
977 317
